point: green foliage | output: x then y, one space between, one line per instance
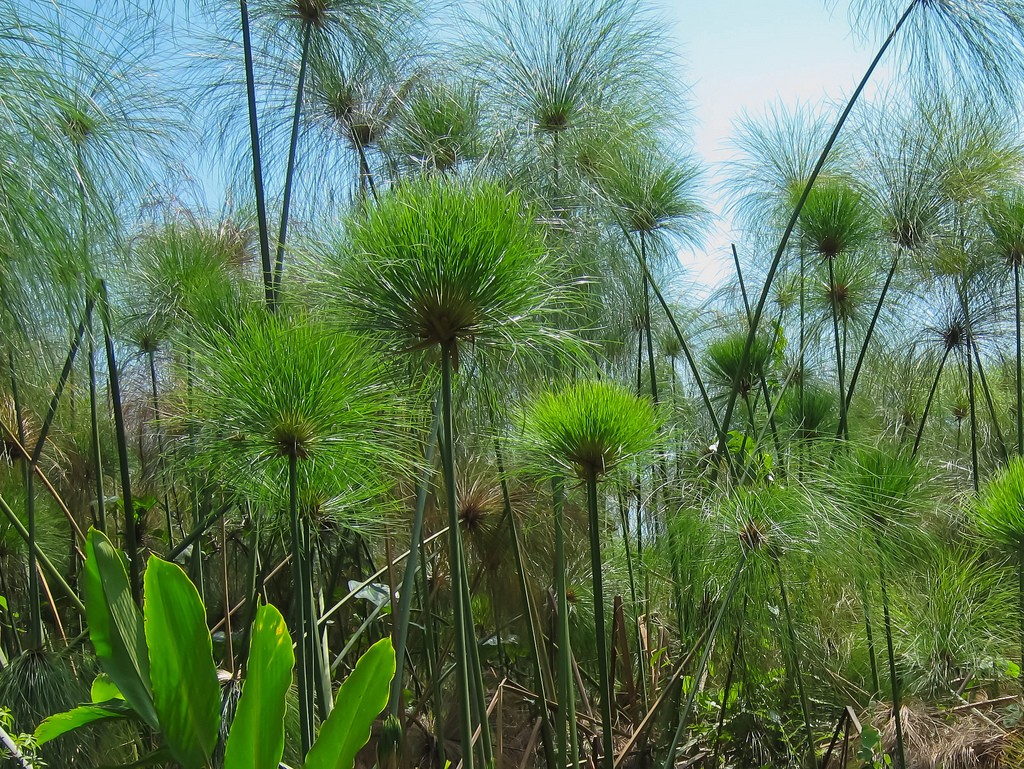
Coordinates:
835 219
590 427
276 386
360 700
726 367
116 626
1000 508
438 262
256 739
183 678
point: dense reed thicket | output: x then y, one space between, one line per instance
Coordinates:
355 410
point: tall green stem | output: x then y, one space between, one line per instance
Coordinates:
120 433
290 169
893 677
97 451
35 635
596 565
794 656
455 562
257 162
401 631
840 362
670 759
841 430
305 686
1020 384
568 754
794 218
931 397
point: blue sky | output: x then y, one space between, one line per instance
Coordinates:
741 55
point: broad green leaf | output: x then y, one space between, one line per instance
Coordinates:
182 674
256 740
360 700
61 723
115 624
103 689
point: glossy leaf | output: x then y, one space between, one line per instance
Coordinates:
360 700
186 694
115 624
62 723
256 740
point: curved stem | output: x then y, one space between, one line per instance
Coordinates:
928 403
695 372
865 344
794 217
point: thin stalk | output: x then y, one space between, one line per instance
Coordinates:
455 565
670 759
35 635
305 686
928 403
651 369
841 430
675 327
476 678
840 358
290 169
227 597
869 634
893 678
151 355
727 689
62 381
990 403
568 754
794 656
1020 601
257 163
97 452
531 617
596 566
764 384
433 665
40 556
1020 384
773 268
974 415
120 433
401 631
